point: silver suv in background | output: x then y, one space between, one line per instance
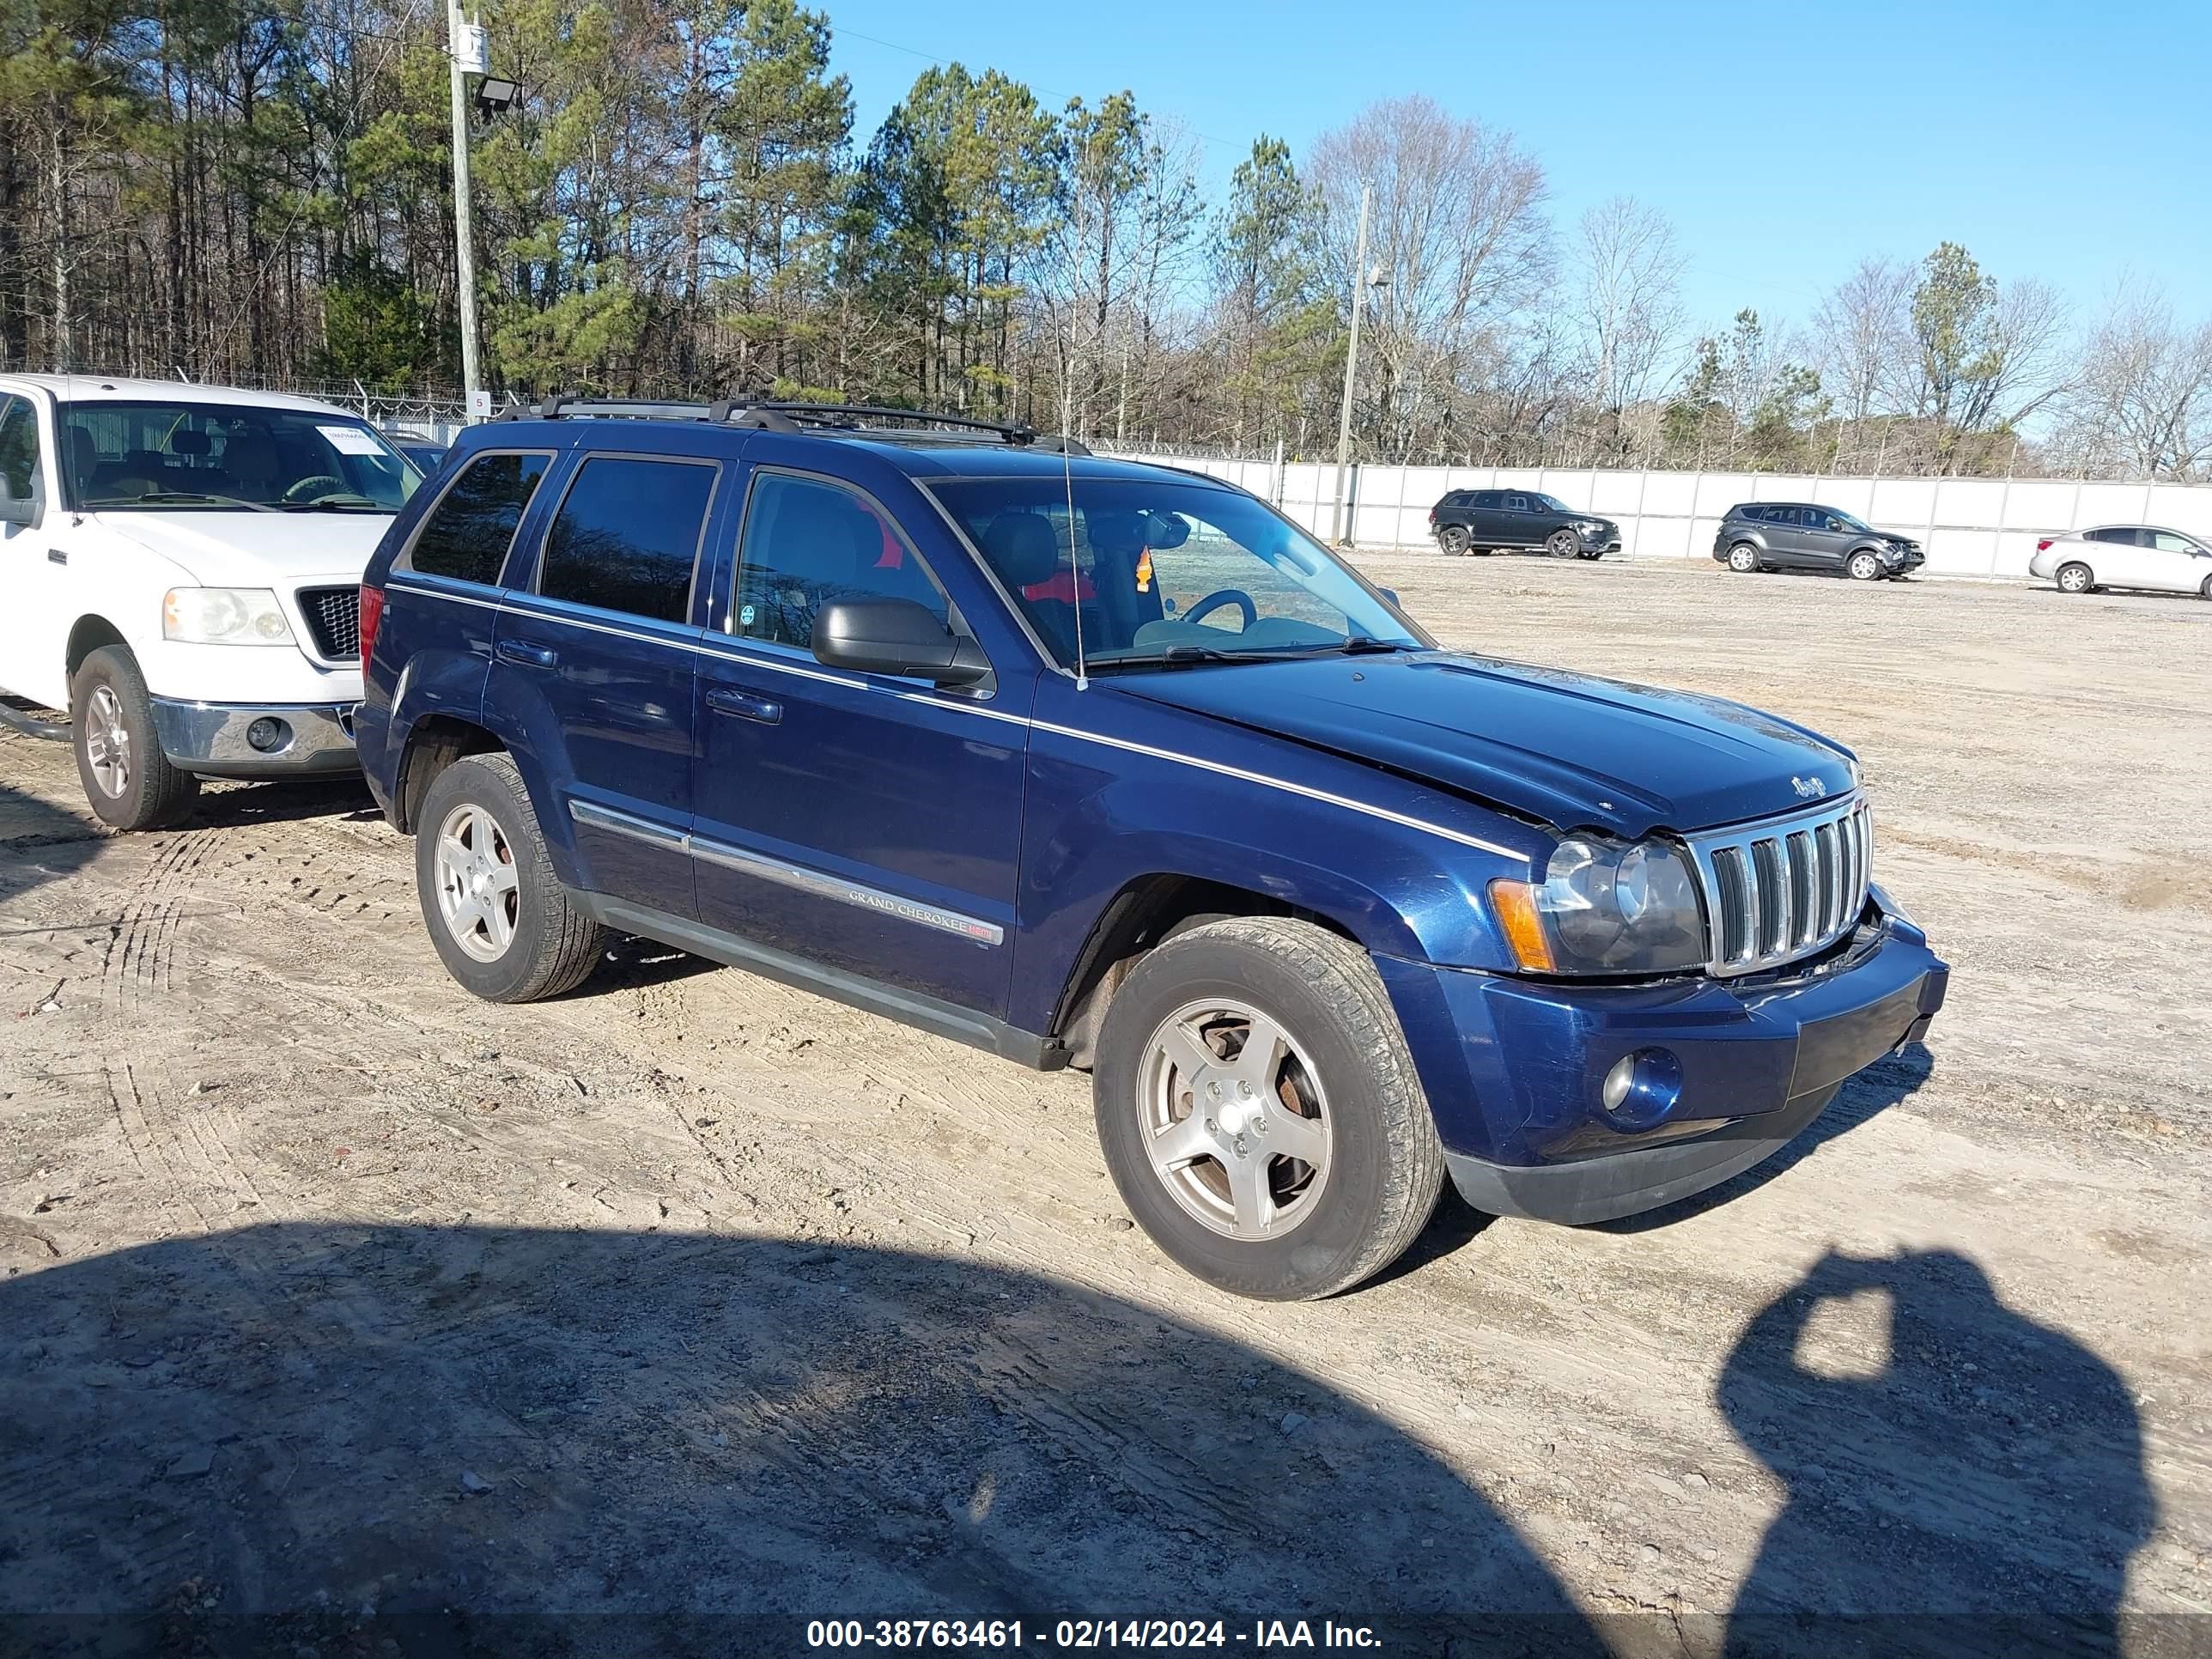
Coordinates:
1806 536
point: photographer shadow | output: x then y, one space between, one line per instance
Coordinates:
1960 1477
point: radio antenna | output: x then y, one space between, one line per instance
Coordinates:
1074 570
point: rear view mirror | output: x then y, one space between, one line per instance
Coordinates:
1166 530
896 636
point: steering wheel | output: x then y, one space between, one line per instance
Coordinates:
1236 596
308 490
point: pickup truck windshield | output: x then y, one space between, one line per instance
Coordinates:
1166 572
168 458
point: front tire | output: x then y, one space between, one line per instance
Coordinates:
1743 558
503 924
2076 578
1287 1171
1453 541
1863 567
1564 544
127 779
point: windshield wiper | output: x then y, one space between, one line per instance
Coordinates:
1361 645
336 504
175 496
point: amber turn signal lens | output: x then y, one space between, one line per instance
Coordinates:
1515 905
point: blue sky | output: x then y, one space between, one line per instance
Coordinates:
2063 141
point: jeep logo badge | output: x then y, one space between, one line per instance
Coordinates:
1808 789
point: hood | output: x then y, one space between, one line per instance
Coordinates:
1568 750
255 550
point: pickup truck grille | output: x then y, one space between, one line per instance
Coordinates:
1785 888
333 619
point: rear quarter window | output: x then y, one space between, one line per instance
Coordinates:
468 532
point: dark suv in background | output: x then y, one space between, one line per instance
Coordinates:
1486 520
1805 535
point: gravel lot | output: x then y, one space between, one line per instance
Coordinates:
687 1301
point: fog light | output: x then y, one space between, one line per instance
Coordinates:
1642 1087
265 734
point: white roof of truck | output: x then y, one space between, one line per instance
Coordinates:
111 389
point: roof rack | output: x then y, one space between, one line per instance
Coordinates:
782 414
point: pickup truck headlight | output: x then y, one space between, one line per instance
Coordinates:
1605 907
224 616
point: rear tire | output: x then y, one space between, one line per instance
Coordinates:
503 924
127 779
1743 558
2076 578
1452 541
1232 1204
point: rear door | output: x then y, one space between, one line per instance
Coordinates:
868 823
1484 514
593 666
2118 557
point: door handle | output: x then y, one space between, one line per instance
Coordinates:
527 653
745 704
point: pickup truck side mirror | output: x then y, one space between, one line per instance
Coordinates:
896 636
12 511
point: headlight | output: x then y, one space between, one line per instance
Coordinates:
1605 907
1893 553
1588 526
224 616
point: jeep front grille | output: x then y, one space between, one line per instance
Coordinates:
1786 888
333 619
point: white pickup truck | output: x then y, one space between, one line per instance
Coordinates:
180 569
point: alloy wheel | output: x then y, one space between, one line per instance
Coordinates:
1234 1119
107 741
479 898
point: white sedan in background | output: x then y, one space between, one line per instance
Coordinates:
2125 556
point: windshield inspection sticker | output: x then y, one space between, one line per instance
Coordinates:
350 441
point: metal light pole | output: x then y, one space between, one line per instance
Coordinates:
1351 359
466 53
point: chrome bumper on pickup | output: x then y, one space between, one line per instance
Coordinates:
242 740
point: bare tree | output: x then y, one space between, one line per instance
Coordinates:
1629 309
1862 338
1459 236
2140 400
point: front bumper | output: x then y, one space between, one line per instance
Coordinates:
1606 540
211 738
1516 1069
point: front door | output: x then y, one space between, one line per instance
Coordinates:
868 823
2173 564
1513 526
31 633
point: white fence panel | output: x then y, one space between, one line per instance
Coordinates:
1970 526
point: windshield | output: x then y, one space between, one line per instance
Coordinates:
1165 571
1548 503
164 457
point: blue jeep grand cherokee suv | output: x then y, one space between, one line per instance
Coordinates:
1108 765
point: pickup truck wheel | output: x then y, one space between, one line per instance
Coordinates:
1743 558
503 924
1258 1110
126 777
1452 540
1864 566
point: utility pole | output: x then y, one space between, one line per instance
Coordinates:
465 51
1352 360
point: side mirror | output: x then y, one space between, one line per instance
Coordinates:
1391 594
24 513
895 636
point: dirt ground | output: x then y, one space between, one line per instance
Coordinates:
340 1313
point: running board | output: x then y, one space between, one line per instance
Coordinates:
30 724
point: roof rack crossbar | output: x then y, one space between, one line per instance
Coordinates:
779 414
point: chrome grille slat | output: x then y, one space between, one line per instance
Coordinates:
1785 888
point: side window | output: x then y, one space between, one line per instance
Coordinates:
19 447
2166 542
1816 518
467 533
2124 537
1517 503
1488 498
1756 513
628 535
808 542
